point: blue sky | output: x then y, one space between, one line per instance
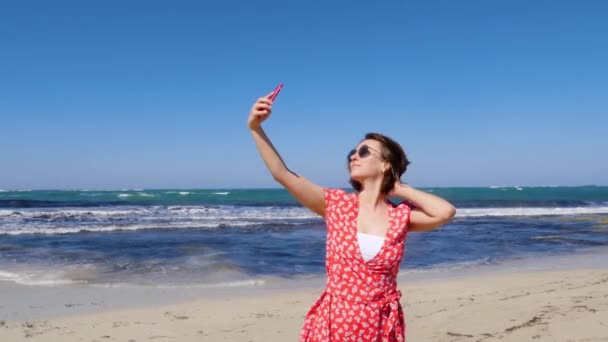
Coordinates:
155 94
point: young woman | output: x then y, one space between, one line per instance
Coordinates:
366 234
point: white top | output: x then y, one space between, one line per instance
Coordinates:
370 245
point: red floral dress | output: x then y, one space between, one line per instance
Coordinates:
361 299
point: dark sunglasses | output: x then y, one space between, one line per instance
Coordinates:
364 151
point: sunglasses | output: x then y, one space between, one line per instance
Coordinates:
364 151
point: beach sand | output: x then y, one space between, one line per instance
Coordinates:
549 305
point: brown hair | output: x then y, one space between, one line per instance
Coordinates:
393 153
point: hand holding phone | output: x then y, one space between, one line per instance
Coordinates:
275 92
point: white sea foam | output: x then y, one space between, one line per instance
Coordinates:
174 212
229 212
92 194
55 213
221 193
34 278
500 187
478 212
589 257
4 212
184 193
237 283
89 275
143 194
228 284
20 230
448 266
127 218
8 275
124 195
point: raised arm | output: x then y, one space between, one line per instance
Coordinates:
306 192
431 211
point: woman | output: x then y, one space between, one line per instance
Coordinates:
366 234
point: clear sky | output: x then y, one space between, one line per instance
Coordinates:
155 94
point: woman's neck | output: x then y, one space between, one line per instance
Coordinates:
370 196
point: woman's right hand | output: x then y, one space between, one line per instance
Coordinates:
260 111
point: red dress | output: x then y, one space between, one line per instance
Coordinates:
361 299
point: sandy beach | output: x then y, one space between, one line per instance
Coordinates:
549 305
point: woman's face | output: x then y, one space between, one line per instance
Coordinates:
366 160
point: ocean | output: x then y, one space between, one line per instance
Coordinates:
248 237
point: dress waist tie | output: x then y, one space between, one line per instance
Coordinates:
391 302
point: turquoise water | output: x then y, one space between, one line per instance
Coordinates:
462 197
235 237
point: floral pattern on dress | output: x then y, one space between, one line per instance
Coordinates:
361 300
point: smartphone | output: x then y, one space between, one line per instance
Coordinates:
275 92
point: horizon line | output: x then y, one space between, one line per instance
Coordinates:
282 188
